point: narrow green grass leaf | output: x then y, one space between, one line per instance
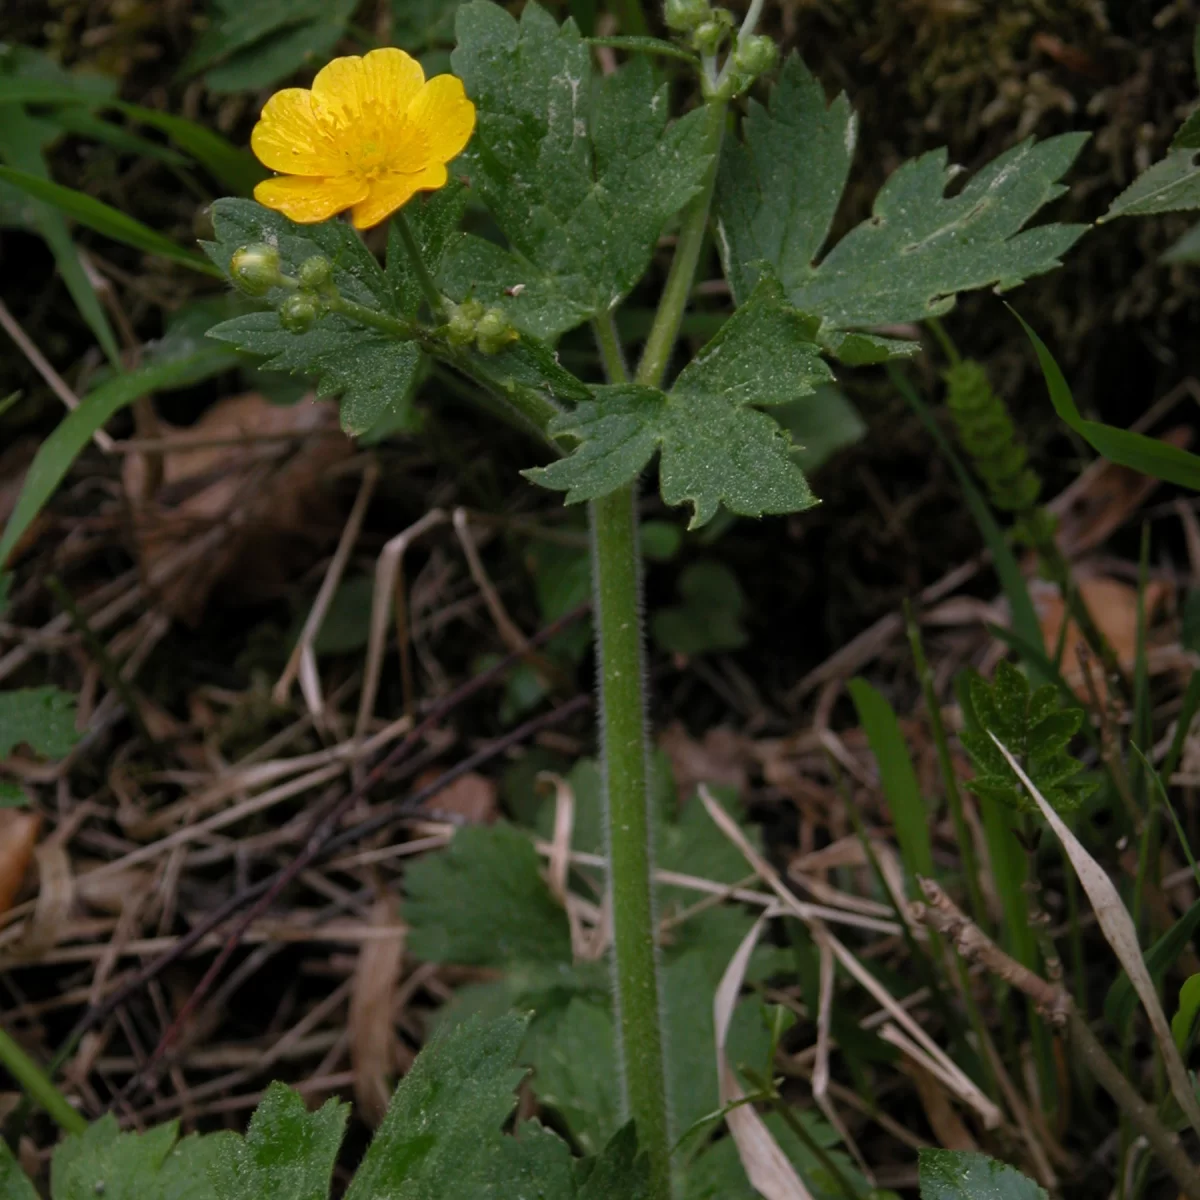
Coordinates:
22 139
61 448
1185 1018
1150 456
1024 618
1121 1001
105 219
910 814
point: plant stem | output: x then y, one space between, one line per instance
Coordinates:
36 1085
437 302
616 582
397 327
1140 1114
656 356
617 612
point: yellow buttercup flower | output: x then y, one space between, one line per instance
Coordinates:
370 134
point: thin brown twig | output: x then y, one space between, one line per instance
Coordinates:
942 914
321 841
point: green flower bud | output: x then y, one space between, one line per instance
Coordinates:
315 273
711 35
298 312
255 268
685 15
493 332
755 55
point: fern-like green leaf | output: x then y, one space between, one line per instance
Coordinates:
1035 730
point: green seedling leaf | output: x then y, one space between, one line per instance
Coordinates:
1184 1020
960 1175
1169 185
287 1153
1150 456
371 371
710 617
104 1162
184 365
1121 1002
41 718
1035 730
580 175
715 448
518 922
910 813
105 219
779 189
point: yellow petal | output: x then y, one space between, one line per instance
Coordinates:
308 201
289 138
443 116
391 192
367 94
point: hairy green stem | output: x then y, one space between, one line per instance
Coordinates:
437 302
656 356
616 582
37 1085
617 613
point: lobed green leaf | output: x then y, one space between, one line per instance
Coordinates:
580 175
779 189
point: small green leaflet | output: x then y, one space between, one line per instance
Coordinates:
372 372
42 718
1035 730
103 1161
521 922
1169 185
1184 1019
287 1153
779 189
715 448
580 175
960 1175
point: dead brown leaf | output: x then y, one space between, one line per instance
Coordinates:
252 491
1102 499
946 1124
1114 608
723 758
18 837
372 1032
470 796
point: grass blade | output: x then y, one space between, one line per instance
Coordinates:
105 219
1117 926
1150 456
61 448
1024 617
909 812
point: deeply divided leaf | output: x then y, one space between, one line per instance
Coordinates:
287 1153
780 187
1169 185
1036 731
715 449
581 175
372 372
